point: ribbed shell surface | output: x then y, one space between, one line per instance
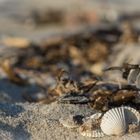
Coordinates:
113 122
117 120
138 81
133 76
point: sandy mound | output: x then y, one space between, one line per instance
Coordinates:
23 121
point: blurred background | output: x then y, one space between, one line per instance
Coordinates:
82 37
36 19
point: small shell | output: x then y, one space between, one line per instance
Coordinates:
133 76
117 120
91 128
138 81
72 121
93 117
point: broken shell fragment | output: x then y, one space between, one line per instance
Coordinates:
91 133
117 120
133 116
91 126
133 76
138 81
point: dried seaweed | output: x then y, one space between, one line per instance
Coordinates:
62 66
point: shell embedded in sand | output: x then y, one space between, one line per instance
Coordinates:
117 120
91 126
72 121
133 76
133 116
91 133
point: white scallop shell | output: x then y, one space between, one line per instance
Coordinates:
86 128
133 76
138 81
116 120
113 122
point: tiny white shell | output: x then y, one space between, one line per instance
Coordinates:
116 120
133 76
138 81
93 117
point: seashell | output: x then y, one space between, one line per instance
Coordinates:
91 133
113 122
71 121
91 128
133 116
133 119
138 81
117 120
96 116
93 117
132 76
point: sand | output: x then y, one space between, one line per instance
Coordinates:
24 121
